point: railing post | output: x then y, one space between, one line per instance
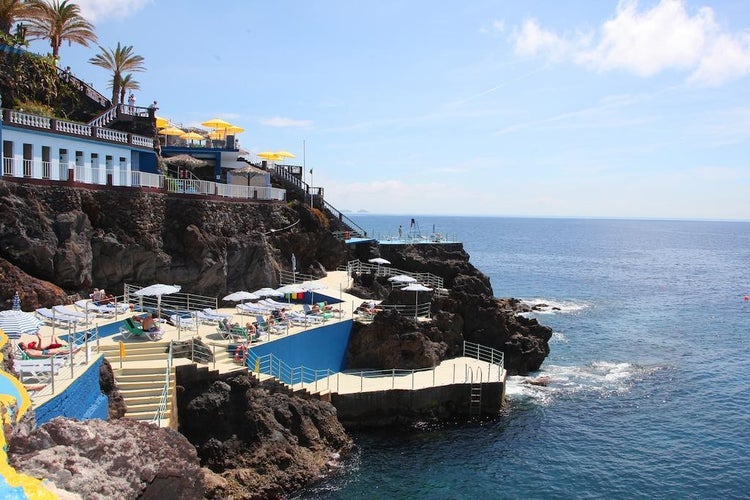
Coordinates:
52 371
393 378
362 381
412 380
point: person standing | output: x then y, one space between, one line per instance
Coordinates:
131 103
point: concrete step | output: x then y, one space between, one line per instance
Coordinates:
132 356
126 370
141 377
127 386
140 415
133 346
143 393
145 406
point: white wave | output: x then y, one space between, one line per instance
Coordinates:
551 306
602 378
558 338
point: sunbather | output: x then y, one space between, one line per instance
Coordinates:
37 349
147 322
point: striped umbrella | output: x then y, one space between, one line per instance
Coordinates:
15 323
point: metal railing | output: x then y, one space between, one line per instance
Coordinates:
484 353
289 277
164 399
179 303
428 279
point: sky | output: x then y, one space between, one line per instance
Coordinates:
586 108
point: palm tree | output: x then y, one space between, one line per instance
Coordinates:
10 12
118 61
58 21
127 83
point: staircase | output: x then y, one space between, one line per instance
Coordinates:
141 379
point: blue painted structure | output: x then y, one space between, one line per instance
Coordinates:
83 399
317 349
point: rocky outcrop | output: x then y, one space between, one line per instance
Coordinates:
468 313
65 240
116 403
259 438
116 459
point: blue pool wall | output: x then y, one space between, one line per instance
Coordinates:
317 349
83 399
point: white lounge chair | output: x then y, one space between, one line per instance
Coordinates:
54 318
40 370
182 321
66 311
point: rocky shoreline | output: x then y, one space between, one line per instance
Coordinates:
239 438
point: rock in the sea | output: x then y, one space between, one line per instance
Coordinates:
262 440
117 459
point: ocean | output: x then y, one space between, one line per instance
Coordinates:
648 393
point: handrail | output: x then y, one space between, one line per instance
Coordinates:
429 279
289 277
356 229
164 400
88 91
484 353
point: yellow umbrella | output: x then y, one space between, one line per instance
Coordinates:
234 130
216 134
285 154
216 123
161 122
269 155
170 131
191 136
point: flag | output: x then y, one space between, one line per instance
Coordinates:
310 171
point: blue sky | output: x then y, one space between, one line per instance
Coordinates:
537 108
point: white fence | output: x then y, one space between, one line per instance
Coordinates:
98 175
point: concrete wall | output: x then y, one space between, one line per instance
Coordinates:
83 399
375 409
317 349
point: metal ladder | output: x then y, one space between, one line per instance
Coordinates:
475 396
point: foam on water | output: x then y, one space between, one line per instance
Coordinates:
601 378
553 306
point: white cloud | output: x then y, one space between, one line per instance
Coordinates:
278 121
98 10
647 42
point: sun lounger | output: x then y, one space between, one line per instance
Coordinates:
182 321
272 304
39 370
211 316
252 309
54 318
66 311
232 334
130 329
103 311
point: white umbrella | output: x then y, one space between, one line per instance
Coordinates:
310 286
267 292
15 323
379 261
402 278
158 290
416 287
241 296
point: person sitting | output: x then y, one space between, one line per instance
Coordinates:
147 322
251 330
100 297
315 309
279 314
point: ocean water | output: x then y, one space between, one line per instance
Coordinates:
649 394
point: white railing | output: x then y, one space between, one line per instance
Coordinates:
428 279
367 380
105 118
139 140
112 135
162 410
86 174
21 118
484 353
73 128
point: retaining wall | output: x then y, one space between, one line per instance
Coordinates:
83 399
382 408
